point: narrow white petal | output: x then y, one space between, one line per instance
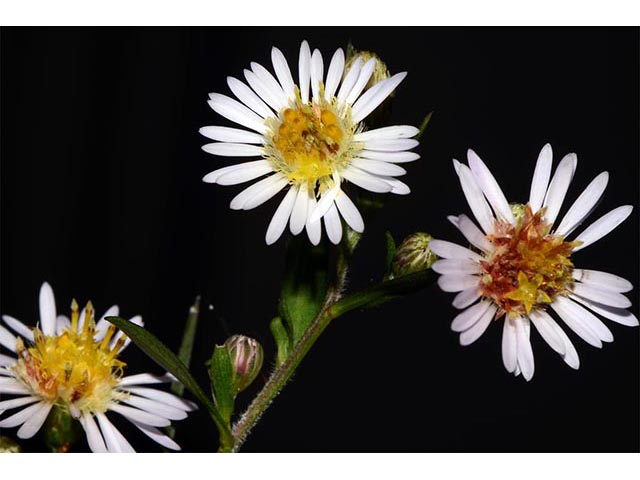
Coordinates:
157 436
589 319
47 310
457 283
18 327
7 339
251 100
13 387
236 112
314 229
542 321
325 202
272 85
155 408
5 361
94 437
602 280
35 421
541 176
238 202
139 415
349 212
477 329
378 168
249 171
559 186
604 297
467 318
618 315
281 67
365 180
373 97
391 145
212 177
110 434
571 355
263 91
350 80
524 353
466 298
397 187
333 224
475 198
489 186
387 133
509 345
281 217
299 214
23 415
473 234
233 149
265 194
391 157
17 402
334 74
164 397
63 323
363 78
304 71
445 249
456 266
575 322
317 74
583 206
603 226
145 379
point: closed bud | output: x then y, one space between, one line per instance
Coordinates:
246 356
413 255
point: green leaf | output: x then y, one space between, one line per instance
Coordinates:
283 342
188 338
159 353
391 249
304 285
221 375
423 125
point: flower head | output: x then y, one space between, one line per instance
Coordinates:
310 137
520 264
74 365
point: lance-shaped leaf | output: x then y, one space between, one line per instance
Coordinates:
423 125
221 375
391 250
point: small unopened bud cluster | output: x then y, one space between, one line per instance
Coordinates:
413 255
246 356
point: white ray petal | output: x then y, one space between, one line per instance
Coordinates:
111 435
17 402
602 280
473 234
236 112
325 202
35 421
23 415
391 145
478 328
467 318
264 92
445 249
63 323
373 97
350 80
349 212
249 171
387 133
281 67
265 194
457 283
333 225
541 176
583 206
94 437
317 74
47 310
212 177
272 85
157 436
524 351
541 320
575 322
19 327
233 149
466 298
363 78
604 297
334 74
391 157
378 168
238 202
475 198
164 397
603 226
299 214
304 71
10 386
489 186
314 229
5 361
145 379
155 408
559 186
139 415
589 319
365 180
251 100
570 356
7 339
281 217
456 266
509 345
618 315
397 187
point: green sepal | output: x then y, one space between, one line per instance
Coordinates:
304 285
391 250
283 342
221 376
160 353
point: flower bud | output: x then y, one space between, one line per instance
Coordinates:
413 255
246 356
380 71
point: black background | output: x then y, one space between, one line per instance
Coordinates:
102 197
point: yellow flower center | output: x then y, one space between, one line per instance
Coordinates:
72 369
310 142
528 267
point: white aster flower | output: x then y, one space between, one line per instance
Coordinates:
73 364
310 139
519 267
